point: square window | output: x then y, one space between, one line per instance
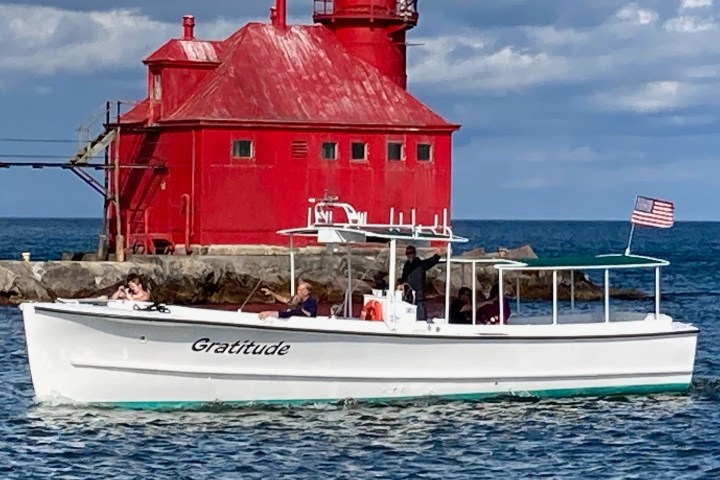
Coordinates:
329 151
424 152
242 149
359 151
395 151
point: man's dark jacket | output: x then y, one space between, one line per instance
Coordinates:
414 274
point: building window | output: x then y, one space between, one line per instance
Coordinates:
329 151
424 152
358 151
394 153
157 87
299 149
242 149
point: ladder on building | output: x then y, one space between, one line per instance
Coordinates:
94 147
86 153
94 137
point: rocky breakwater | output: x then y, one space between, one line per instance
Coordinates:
234 279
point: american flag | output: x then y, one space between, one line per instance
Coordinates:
650 212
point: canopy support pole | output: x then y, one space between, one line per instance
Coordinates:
292 265
348 292
448 256
657 293
392 273
555 298
501 297
607 295
474 293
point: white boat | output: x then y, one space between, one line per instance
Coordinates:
144 356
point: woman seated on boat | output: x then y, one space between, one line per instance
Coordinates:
461 307
134 288
303 304
489 311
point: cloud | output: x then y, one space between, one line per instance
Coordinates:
634 14
632 44
482 65
685 24
40 40
691 120
692 4
650 97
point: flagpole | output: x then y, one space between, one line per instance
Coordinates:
632 230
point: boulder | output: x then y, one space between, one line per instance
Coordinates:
69 279
24 283
7 285
182 280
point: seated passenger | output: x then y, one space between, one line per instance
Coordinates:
461 307
134 288
489 311
303 304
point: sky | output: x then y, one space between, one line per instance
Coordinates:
569 109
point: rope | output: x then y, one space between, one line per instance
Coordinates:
154 307
251 294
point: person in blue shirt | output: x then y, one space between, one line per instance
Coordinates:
303 304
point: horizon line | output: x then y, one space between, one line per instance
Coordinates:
452 219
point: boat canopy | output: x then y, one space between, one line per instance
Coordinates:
331 221
343 233
598 262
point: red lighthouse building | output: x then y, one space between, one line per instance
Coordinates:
236 135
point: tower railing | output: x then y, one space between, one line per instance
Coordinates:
323 7
406 9
101 120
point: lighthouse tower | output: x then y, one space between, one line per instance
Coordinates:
372 30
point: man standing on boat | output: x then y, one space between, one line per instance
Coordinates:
414 275
303 304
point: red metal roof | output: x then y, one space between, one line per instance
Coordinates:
194 51
138 113
299 75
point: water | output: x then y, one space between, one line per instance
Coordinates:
47 238
658 437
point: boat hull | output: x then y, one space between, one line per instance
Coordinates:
103 357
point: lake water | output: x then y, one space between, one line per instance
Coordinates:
654 437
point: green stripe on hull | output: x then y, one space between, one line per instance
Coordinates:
670 388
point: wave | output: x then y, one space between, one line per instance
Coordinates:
696 294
